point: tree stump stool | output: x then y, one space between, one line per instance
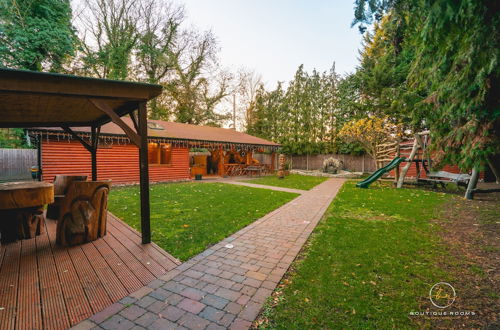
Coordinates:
84 211
21 209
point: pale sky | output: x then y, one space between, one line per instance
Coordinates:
273 37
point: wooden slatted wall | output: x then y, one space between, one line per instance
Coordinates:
119 163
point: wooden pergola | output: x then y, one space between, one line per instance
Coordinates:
36 99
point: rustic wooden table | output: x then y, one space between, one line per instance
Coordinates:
21 209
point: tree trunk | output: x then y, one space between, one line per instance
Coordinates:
469 193
494 169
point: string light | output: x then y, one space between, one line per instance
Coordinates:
109 141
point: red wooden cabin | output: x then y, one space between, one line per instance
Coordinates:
169 152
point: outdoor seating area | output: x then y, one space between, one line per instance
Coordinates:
61 265
69 284
250 170
78 206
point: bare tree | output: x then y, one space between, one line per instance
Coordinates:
248 81
157 44
146 40
196 84
158 39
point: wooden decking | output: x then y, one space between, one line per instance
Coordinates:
44 286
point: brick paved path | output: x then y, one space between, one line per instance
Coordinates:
256 185
225 286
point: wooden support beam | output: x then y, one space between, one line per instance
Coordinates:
94 139
249 157
39 157
104 107
144 173
77 137
92 147
133 117
221 162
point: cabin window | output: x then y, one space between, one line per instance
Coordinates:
160 153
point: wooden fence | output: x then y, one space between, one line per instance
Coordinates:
362 163
263 158
15 164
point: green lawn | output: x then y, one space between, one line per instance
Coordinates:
295 181
186 218
369 263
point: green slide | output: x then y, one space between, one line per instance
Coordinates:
381 171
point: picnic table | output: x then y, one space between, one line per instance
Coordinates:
21 209
234 169
250 170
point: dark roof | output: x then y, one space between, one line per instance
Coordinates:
180 131
29 99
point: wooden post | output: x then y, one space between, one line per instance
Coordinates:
92 147
94 137
469 193
396 170
249 157
414 150
39 157
144 173
273 161
221 161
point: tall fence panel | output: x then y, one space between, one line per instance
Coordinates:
363 163
263 158
15 164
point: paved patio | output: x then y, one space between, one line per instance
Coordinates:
225 286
